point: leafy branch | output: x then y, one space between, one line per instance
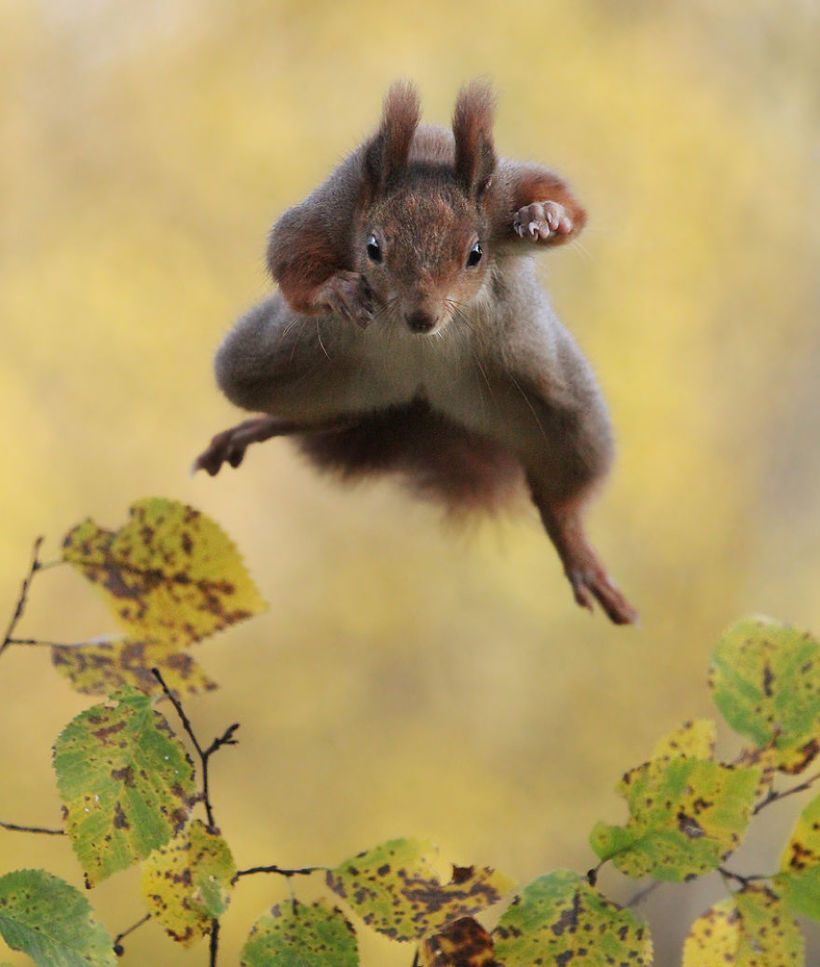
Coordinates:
129 786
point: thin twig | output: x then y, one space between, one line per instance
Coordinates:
118 948
204 754
304 871
21 601
39 642
214 945
744 881
32 829
641 895
777 796
416 960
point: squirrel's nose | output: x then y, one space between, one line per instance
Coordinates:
421 321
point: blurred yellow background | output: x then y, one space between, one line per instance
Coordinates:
409 679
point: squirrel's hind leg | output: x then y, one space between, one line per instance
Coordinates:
585 571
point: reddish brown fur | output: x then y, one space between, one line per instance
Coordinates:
437 458
475 158
386 157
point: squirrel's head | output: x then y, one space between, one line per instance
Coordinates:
422 237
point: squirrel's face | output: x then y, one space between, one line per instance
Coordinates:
424 255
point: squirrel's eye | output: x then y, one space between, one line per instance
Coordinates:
475 255
374 251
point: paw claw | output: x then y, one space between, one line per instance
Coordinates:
542 221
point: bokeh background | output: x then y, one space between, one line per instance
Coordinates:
410 679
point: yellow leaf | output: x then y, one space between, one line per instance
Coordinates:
170 573
695 738
187 883
105 667
750 929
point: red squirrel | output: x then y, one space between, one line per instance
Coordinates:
409 334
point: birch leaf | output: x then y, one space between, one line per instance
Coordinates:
187 882
395 891
52 922
170 573
125 780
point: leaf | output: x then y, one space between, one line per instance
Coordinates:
187 883
686 814
170 573
295 935
464 943
561 919
126 782
750 929
106 666
394 890
695 738
765 679
52 922
799 879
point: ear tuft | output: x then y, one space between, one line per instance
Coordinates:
473 130
386 155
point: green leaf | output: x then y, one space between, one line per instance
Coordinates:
187 883
464 943
126 782
799 879
765 679
750 929
686 814
52 922
395 891
170 573
295 935
561 919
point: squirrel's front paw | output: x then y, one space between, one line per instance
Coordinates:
347 294
542 221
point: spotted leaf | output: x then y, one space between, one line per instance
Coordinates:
187 882
464 943
561 919
170 573
52 922
394 889
799 879
765 679
103 667
686 814
695 738
296 935
750 929
126 782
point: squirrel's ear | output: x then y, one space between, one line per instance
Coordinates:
473 130
386 155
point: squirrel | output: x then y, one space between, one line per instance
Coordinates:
409 333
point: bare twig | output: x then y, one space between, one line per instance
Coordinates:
204 754
119 950
304 871
214 944
773 796
32 829
744 881
641 895
22 599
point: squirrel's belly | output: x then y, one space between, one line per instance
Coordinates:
436 457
